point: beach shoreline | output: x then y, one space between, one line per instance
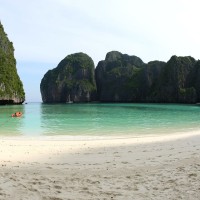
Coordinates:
51 167
143 138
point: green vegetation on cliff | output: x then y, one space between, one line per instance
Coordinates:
73 78
123 78
11 87
118 77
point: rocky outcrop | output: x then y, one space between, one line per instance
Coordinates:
123 78
72 80
175 84
117 77
11 87
149 82
195 80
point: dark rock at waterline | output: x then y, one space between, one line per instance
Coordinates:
11 87
72 80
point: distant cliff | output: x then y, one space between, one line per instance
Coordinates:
123 78
118 77
72 80
175 82
11 87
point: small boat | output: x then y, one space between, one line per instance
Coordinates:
17 114
69 101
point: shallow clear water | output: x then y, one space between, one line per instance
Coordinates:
99 119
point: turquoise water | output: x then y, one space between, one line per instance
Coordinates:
98 119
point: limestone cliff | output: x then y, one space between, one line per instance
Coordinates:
123 78
73 79
175 81
11 87
117 77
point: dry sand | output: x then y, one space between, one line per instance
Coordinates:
166 167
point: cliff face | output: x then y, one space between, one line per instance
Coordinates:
175 82
150 80
123 78
127 78
72 80
117 77
194 81
11 87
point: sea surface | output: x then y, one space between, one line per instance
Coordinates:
97 119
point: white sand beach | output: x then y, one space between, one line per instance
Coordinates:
54 168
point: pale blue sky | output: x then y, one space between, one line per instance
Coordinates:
45 31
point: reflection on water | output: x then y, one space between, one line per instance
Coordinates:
71 119
98 119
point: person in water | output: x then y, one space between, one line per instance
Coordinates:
17 114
